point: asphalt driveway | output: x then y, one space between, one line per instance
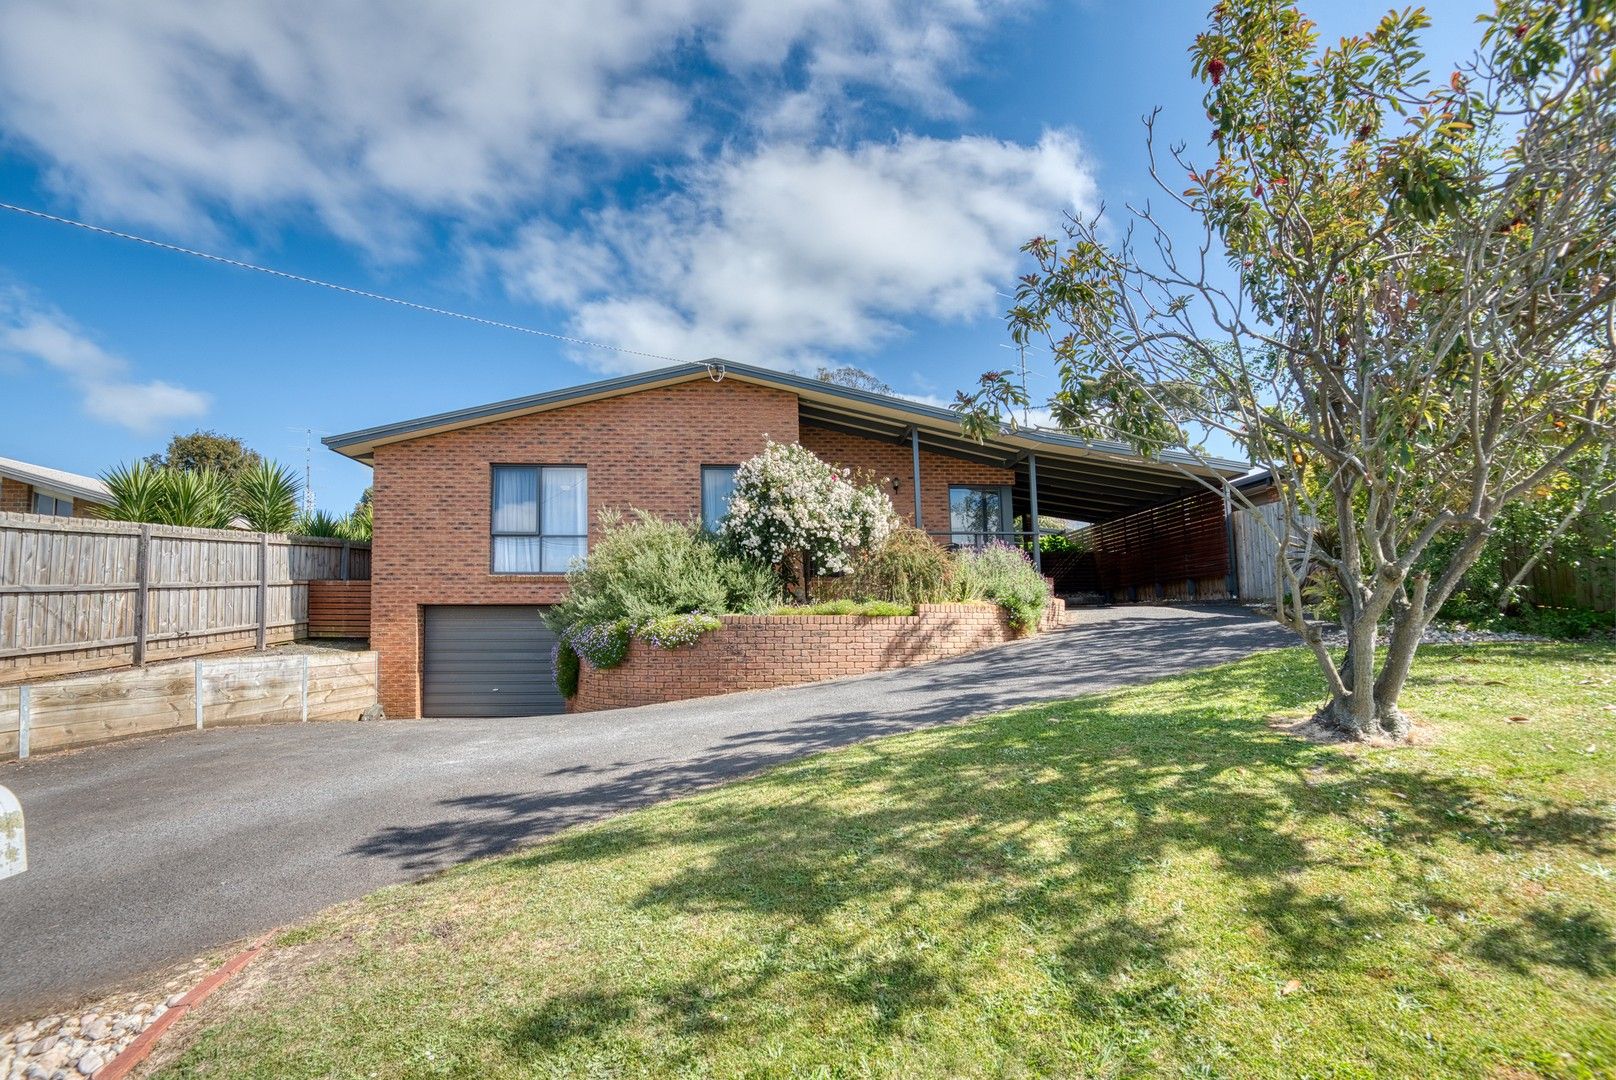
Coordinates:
145 853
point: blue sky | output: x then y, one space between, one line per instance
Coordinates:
787 183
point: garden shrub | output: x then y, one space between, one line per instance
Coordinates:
600 645
675 631
564 662
909 568
1004 575
797 513
644 568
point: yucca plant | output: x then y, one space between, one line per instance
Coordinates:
137 493
199 499
266 497
358 523
321 524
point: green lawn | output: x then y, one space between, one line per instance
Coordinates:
1149 882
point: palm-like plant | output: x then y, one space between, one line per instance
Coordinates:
266 497
137 492
320 523
358 523
199 499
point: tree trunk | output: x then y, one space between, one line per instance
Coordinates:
1367 708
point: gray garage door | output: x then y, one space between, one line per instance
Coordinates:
488 661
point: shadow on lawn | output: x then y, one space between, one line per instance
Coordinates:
959 835
1051 820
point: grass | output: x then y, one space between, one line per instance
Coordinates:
845 607
1147 882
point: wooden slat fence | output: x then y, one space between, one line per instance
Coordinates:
81 595
339 609
86 710
1179 551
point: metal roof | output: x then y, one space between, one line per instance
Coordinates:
60 481
1079 478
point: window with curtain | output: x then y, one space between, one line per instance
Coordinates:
717 485
540 518
977 515
50 504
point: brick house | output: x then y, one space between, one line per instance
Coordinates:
34 489
478 512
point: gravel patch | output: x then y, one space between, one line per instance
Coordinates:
1438 635
69 1046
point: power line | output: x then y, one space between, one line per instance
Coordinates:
240 265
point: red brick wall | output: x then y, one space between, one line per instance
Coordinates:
16 497
643 450
889 461
755 652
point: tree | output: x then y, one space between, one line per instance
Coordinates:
1400 295
855 377
224 454
795 512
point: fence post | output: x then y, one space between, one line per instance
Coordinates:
197 675
263 591
304 693
23 704
142 592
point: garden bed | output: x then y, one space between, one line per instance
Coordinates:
758 652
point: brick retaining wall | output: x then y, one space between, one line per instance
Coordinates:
756 652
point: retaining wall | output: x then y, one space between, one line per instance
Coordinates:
757 652
68 713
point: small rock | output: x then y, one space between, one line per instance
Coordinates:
90 1063
373 712
155 1013
96 1030
45 1045
37 1072
173 1000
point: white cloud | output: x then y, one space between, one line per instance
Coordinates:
792 254
369 112
31 332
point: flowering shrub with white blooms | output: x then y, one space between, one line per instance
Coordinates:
789 506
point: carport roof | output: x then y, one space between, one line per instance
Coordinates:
1078 478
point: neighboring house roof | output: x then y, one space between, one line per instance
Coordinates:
58 481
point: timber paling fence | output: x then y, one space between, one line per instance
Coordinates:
80 594
1555 581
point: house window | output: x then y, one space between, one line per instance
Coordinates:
50 504
977 515
717 485
540 518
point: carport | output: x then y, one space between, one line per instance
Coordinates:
1152 528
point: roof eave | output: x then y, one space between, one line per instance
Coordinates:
360 445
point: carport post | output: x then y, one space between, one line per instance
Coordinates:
914 448
1032 486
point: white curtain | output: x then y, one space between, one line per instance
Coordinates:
564 517
717 485
516 500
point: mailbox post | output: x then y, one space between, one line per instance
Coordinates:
13 847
